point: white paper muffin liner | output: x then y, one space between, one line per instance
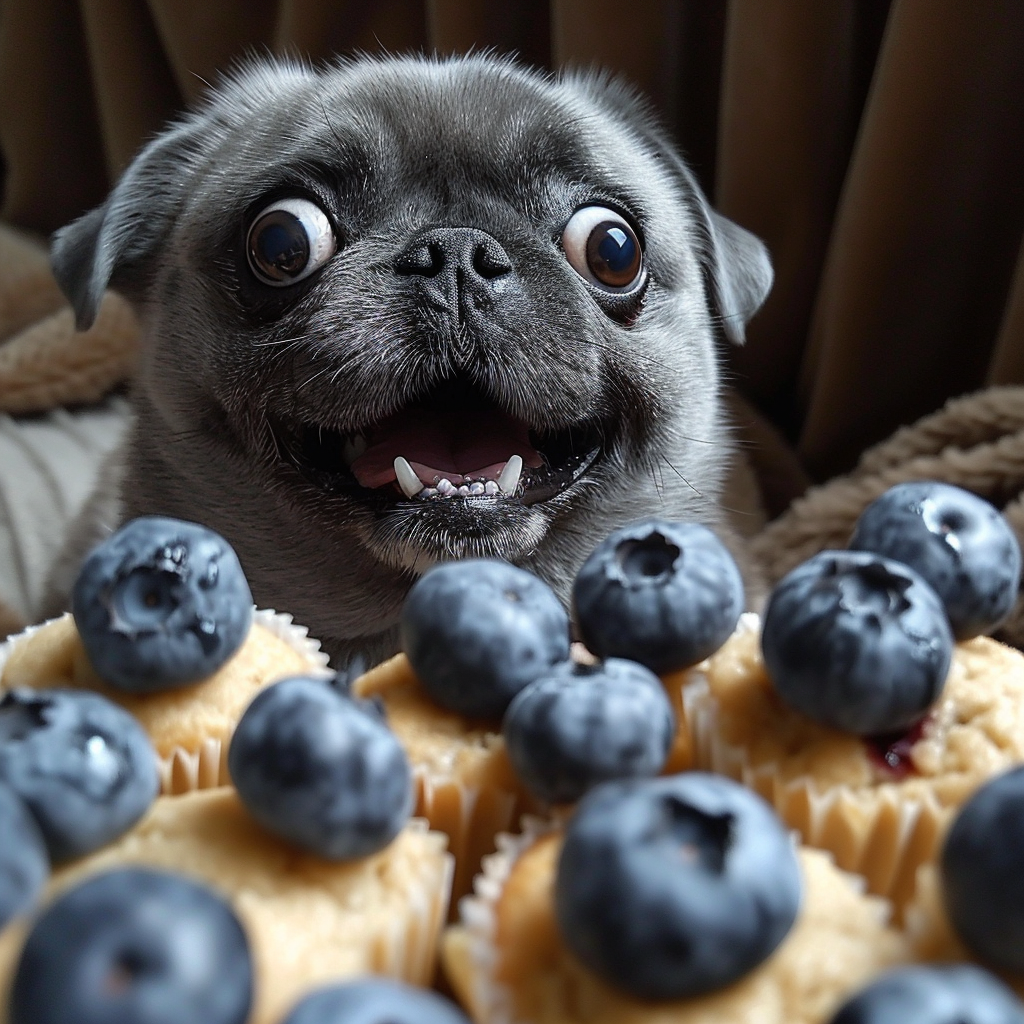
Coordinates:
183 770
881 832
490 1002
470 815
408 949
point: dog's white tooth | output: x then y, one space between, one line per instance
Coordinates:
508 480
463 490
410 483
445 486
476 487
490 487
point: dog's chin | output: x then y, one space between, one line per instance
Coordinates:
415 536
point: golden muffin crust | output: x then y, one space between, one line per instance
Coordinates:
308 920
507 962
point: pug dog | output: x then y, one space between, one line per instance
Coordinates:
398 311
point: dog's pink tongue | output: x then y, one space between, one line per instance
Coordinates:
457 445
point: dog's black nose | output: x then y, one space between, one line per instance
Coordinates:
461 271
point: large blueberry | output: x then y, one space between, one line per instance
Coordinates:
982 876
24 865
672 887
662 593
134 946
477 631
584 724
161 603
956 541
321 769
933 994
84 767
857 642
375 1001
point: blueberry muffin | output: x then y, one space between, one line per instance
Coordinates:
878 804
512 956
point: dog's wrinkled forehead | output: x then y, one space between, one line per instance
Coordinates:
442 135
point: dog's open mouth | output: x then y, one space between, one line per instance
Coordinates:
453 444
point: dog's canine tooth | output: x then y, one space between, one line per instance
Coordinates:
508 480
410 483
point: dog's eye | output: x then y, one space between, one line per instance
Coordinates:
602 248
288 241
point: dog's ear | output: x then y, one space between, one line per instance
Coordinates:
739 269
736 263
109 245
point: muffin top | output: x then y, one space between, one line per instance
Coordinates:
974 730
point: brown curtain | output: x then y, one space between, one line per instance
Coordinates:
876 145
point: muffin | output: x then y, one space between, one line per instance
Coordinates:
507 961
190 726
465 784
308 920
878 805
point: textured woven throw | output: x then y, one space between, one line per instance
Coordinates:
975 442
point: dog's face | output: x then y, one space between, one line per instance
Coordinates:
404 311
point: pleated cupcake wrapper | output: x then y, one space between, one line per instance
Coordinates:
470 815
183 770
881 834
407 948
478 914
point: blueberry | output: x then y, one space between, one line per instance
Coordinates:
134 946
320 769
584 724
933 994
957 541
84 767
661 593
671 887
24 865
982 877
477 631
375 1001
161 603
857 642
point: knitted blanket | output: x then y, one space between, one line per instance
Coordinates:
976 442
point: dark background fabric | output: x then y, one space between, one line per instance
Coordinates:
876 146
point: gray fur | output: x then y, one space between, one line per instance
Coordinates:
404 145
